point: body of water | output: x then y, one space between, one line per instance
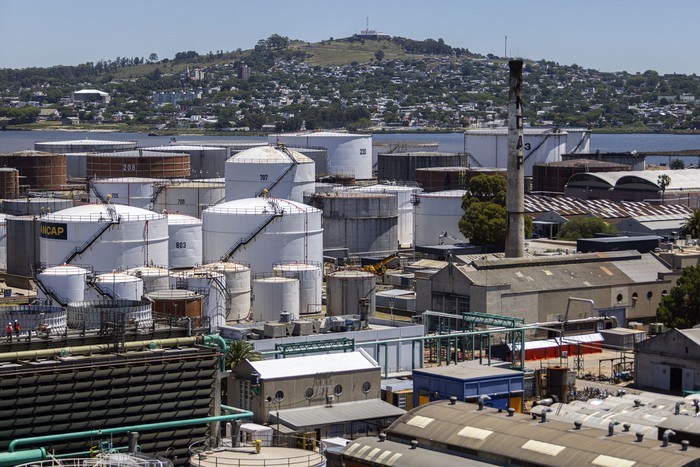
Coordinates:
11 141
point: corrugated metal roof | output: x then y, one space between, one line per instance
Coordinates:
319 415
468 370
603 208
314 364
556 443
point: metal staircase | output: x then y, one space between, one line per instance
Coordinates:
249 238
114 219
295 162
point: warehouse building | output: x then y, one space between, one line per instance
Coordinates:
668 361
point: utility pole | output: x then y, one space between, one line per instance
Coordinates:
515 197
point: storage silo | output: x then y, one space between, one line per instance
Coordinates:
402 166
35 205
212 286
437 216
62 284
40 171
348 154
22 244
84 145
310 276
106 236
347 290
578 140
184 241
138 163
238 284
284 173
36 317
405 196
273 295
189 197
153 278
394 147
261 231
132 191
9 183
117 286
452 178
489 147
205 161
360 222
178 302
76 166
97 314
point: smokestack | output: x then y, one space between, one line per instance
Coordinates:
515 200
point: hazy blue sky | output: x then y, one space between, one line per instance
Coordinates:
609 35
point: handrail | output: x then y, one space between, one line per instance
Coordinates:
245 241
81 249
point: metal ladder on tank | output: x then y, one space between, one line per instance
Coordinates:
295 162
114 219
246 240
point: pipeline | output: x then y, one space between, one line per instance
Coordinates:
213 339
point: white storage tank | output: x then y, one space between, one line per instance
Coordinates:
438 213
189 197
283 172
361 222
405 195
185 241
107 237
212 286
310 276
578 141
346 289
63 283
348 154
273 295
205 161
238 283
35 205
132 191
262 231
153 278
116 285
490 146
92 314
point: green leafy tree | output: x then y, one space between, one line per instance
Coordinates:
585 227
691 226
379 55
484 219
677 164
681 307
241 350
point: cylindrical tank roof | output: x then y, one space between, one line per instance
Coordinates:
269 155
443 194
82 145
261 205
351 274
93 212
182 219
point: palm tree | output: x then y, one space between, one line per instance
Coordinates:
691 226
241 350
663 181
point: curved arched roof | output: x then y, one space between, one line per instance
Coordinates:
687 179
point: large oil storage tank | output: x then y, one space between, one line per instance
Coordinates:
35 205
361 222
132 191
310 277
238 284
284 173
177 302
22 244
9 183
153 278
262 231
205 161
116 285
578 140
96 314
189 197
84 145
184 241
348 291
402 166
212 286
138 163
395 147
274 456
62 284
348 154
274 295
405 196
452 178
40 171
232 145
106 236
437 216
36 316
489 147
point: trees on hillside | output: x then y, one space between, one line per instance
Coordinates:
681 307
585 227
484 219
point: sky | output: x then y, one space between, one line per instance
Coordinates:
607 35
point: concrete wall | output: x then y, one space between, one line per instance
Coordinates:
660 358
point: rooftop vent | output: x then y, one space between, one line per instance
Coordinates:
481 401
543 415
578 424
414 443
611 427
511 411
382 437
684 445
626 427
666 436
453 400
640 436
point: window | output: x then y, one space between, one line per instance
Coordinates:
649 295
279 395
309 393
366 386
338 389
619 298
363 152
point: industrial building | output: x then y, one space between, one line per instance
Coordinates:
668 361
551 177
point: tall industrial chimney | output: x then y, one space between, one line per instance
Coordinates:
515 200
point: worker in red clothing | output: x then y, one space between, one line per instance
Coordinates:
17 328
8 331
